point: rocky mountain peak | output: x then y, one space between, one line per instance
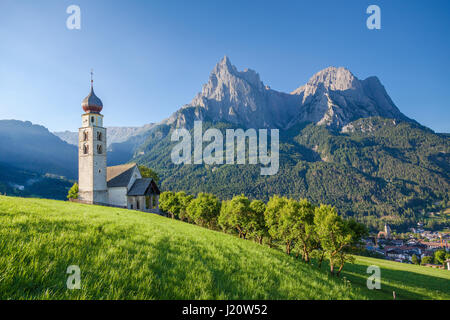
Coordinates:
224 66
225 73
332 97
330 79
334 78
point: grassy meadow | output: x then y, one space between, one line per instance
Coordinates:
126 254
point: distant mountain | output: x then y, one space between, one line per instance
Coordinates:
33 148
19 182
114 134
70 137
35 162
333 97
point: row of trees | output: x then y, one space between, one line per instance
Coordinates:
300 227
440 257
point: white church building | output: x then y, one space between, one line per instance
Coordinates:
119 186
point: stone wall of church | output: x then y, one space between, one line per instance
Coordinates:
117 196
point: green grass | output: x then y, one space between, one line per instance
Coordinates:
407 280
133 255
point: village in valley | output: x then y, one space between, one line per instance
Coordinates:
418 246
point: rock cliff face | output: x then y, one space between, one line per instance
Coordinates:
240 98
333 97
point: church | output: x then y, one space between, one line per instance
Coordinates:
119 186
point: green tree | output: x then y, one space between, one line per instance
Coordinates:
73 192
356 231
168 202
257 223
415 259
236 214
427 260
334 235
439 256
146 172
183 202
303 229
276 224
287 223
224 220
204 210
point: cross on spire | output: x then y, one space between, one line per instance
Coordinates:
92 77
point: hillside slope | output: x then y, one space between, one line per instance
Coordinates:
132 255
23 183
374 168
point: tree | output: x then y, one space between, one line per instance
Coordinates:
183 202
303 229
288 219
236 214
204 209
274 222
224 216
439 256
257 224
415 259
146 172
427 260
356 231
334 235
73 192
168 202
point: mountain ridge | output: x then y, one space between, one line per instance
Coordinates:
333 97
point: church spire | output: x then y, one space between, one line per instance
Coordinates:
92 104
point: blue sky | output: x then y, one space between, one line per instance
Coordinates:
151 57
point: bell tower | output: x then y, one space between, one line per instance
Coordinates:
92 152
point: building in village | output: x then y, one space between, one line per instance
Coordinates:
119 186
386 234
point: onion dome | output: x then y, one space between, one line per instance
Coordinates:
92 103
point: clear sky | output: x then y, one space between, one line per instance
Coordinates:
151 57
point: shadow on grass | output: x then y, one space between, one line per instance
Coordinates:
406 284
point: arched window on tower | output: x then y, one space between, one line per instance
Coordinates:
85 149
99 136
85 136
99 149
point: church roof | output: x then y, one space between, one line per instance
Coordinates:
119 176
143 186
92 103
